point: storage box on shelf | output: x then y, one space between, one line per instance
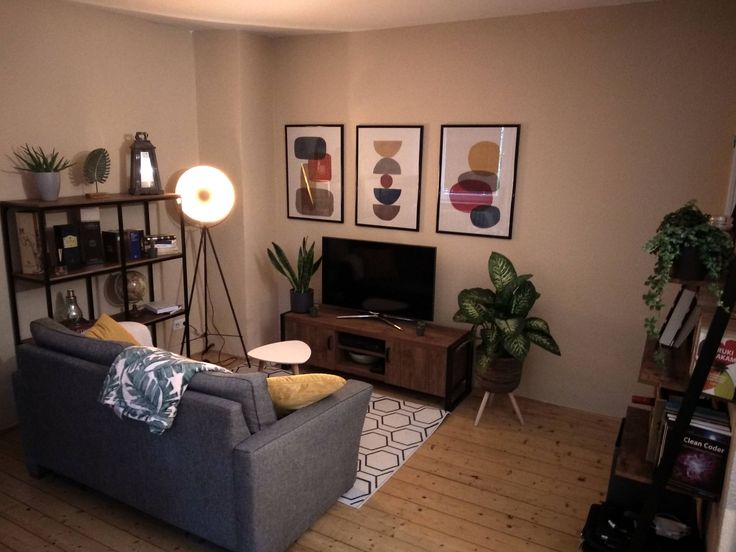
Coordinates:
23 260
438 363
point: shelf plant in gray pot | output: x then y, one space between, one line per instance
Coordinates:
502 324
687 247
301 295
45 167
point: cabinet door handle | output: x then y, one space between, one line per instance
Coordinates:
329 342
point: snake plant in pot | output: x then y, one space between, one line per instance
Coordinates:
687 247
501 322
301 295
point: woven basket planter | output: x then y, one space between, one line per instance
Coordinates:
503 376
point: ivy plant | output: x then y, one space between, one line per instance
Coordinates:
686 227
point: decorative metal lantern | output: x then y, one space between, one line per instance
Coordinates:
144 178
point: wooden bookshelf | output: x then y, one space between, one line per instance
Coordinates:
632 462
673 374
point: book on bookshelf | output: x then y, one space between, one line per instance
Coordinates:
684 303
655 429
700 463
688 326
29 242
722 375
68 246
162 307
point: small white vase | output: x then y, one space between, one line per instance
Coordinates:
48 184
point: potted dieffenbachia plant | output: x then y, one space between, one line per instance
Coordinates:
501 322
687 247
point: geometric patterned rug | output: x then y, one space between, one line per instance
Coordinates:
392 431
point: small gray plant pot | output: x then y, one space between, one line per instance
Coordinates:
47 185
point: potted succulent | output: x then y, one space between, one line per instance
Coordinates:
687 247
505 329
301 295
45 168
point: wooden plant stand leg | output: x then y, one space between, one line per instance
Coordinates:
516 408
488 395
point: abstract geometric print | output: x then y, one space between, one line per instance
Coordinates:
388 176
386 168
477 179
392 431
314 171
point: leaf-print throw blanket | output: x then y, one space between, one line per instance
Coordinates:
146 384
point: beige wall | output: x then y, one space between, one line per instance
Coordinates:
625 114
235 120
77 78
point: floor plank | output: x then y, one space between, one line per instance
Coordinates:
500 486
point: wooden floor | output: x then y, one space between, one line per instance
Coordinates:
500 487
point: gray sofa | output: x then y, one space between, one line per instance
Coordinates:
228 470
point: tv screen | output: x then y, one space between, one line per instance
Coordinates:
389 278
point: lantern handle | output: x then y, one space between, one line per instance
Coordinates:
140 135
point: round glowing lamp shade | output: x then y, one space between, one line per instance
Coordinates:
207 195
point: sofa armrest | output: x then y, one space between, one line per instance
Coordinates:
294 470
139 331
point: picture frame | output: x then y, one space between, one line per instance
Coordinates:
478 165
314 172
388 176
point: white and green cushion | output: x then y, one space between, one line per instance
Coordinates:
146 384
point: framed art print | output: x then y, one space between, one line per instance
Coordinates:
314 174
388 176
477 179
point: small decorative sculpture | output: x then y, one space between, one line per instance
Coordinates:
97 169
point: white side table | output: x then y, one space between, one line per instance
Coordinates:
282 352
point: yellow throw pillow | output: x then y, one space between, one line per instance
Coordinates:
293 392
108 329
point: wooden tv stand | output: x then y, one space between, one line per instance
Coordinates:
438 363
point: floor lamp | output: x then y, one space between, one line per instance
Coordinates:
207 197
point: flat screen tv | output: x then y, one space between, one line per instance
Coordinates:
395 280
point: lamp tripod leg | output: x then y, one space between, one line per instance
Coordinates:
229 300
194 283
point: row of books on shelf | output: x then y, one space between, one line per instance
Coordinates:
700 463
84 244
687 324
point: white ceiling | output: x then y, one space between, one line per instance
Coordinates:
309 16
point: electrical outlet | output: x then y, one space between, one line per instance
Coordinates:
179 323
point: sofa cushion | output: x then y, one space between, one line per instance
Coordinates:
108 329
250 390
294 392
50 334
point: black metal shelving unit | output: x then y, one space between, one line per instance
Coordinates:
46 279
